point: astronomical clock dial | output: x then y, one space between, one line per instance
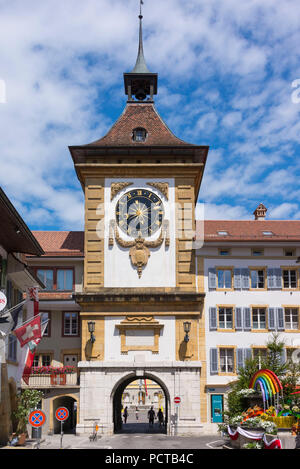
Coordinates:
139 213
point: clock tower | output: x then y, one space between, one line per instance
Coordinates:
142 299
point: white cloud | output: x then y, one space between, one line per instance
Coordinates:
218 62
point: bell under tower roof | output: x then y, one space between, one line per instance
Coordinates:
140 82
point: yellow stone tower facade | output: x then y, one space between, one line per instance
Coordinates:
141 305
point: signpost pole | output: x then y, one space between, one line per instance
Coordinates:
61 433
177 401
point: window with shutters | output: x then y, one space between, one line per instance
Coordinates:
257 278
226 358
225 317
259 318
291 318
289 278
224 278
260 354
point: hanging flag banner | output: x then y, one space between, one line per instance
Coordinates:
27 356
33 295
29 331
9 319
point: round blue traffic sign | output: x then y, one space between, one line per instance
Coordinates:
37 418
62 414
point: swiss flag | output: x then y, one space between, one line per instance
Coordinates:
29 331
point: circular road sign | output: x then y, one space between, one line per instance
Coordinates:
3 301
37 418
62 414
177 400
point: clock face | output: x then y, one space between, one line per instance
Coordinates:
139 212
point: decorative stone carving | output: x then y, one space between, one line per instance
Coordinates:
139 247
162 187
117 187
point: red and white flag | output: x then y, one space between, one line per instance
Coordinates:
29 331
27 357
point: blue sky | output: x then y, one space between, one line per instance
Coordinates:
226 70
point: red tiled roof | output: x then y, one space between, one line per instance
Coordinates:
250 230
143 115
61 243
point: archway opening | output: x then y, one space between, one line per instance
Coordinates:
136 397
69 425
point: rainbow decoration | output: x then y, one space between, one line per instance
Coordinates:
268 383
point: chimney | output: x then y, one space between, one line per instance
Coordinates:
260 212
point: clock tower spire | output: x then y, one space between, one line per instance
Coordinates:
140 82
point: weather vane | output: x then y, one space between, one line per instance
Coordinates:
141 3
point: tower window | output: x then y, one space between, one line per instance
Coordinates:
139 135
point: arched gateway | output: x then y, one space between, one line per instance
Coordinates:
117 400
142 299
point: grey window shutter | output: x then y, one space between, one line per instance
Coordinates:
239 358
283 357
247 354
237 279
272 319
212 278
278 278
213 361
247 319
238 318
280 319
245 273
212 318
270 279
3 273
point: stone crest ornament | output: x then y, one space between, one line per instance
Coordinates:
162 187
117 187
139 247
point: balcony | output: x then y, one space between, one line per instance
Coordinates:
50 377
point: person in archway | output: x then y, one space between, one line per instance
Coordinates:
136 413
160 417
151 417
125 414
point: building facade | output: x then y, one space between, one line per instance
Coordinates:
55 369
141 184
16 277
252 291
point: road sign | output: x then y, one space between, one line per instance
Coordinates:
37 418
62 414
177 400
3 301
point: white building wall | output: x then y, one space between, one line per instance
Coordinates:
160 270
246 298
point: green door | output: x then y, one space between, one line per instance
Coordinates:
217 408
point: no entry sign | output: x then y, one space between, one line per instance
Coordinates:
177 400
37 418
61 414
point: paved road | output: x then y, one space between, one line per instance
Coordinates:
139 441
135 434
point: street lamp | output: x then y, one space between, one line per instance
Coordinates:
91 328
186 328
